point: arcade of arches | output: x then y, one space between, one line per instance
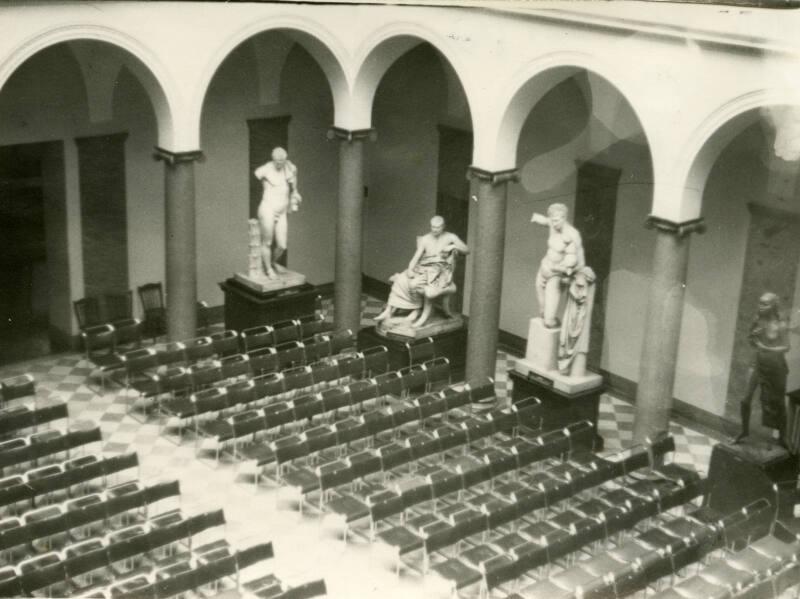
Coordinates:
128 137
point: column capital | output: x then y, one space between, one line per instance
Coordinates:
695 225
352 134
173 158
493 177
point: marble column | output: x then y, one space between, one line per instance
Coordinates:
663 326
487 251
349 227
181 246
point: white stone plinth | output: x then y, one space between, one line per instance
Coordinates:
401 327
561 382
542 350
264 284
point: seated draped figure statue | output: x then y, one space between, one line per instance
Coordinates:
429 275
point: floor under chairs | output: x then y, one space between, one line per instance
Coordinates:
78 522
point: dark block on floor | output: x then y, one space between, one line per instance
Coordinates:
245 308
741 474
558 408
452 345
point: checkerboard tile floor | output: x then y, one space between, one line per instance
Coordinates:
303 552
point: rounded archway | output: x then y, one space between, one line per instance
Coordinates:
417 166
744 180
83 116
576 139
277 87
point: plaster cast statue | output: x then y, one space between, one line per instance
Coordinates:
564 256
429 275
574 338
769 335
279 177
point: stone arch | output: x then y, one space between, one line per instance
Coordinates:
379 52
142 61
715 132
319 42
496 143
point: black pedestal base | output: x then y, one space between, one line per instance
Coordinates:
452 345
741 474
245 307
559 409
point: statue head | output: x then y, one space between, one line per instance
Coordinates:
437 226
557 214
769 304
279 157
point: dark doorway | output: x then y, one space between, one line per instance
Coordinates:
31 198
452 194
595 214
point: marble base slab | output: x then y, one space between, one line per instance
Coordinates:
399 327
264 284
561 382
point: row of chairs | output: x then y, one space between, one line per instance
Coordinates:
182 362
269 587
37 484
270 335
28 450
17 418
764 569
576 532
506 503
131 361
266 389
200 575
101 557
147 374
655 556
96 314
333 474
305 408
77 518
16 387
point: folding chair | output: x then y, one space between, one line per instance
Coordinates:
257 337
311 325
286 330
290 354
263 360
376 360
225 343
198 350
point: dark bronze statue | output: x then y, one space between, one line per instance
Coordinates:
769 335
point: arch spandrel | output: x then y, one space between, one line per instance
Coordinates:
323 46
150 71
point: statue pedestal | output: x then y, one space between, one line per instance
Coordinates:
401 328
247 306
542 349
264 284
451 344
559 408
541 362
740 474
